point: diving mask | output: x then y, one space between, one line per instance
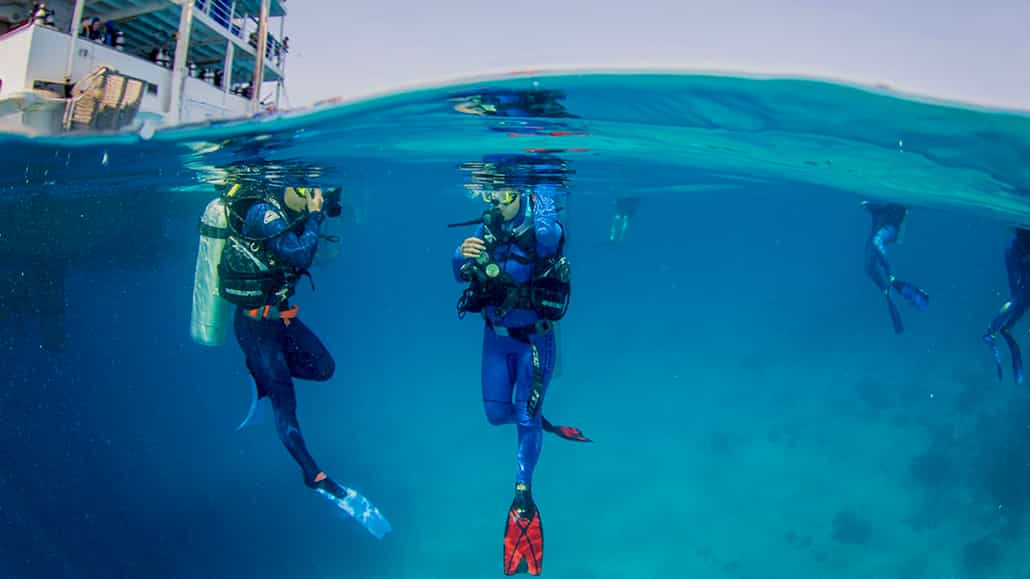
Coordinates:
500 196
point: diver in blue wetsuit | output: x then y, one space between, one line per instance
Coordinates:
1017 264
276 236
886 226
519 281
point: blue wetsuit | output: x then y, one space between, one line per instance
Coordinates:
277 348
1017 264
887 220
508 362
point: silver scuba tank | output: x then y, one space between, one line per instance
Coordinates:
209 322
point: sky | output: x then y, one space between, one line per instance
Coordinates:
976 52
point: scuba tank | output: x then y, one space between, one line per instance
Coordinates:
209 322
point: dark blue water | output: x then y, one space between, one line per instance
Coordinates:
754 414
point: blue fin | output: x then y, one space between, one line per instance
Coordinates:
356 506
260 408
918 298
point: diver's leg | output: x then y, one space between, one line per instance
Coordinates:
912 294
892 309
535 369
263 343
306 355
1010 313
498 380
1016 354
878 269
876 265
307 358
523 531
1016 312
1000 321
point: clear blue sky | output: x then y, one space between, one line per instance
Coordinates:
972 51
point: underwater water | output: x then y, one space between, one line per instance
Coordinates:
753 412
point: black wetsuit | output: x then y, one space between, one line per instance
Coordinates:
279 348
1017 264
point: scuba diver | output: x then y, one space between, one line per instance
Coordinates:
520 112
519 281
887 220
1017 264
255 246
625 207
513 103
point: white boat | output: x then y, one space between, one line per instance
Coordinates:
131 64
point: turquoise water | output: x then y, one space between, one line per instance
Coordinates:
755 416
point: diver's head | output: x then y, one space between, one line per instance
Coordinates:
296 198
507 201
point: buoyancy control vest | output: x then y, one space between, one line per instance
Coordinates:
249 274
548 290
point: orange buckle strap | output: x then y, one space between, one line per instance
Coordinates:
258 313
287 315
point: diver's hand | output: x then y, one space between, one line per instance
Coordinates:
472 247
315 201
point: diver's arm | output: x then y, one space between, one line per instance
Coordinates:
458 260
545 221
296 250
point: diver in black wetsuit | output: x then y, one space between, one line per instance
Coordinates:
1017 263
262 262
887 220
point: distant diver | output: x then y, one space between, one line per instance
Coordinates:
513 103
1017 264
625 208
255 245
518 280
886 226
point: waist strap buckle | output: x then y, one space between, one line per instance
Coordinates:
265 312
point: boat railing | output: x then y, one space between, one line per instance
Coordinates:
221 13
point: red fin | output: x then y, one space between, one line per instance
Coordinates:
523 543
572 433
